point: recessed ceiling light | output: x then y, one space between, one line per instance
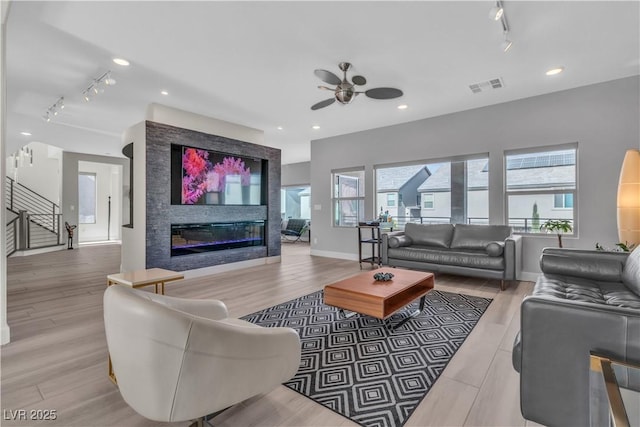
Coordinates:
554 71
121 61
279 128
403 107
25 133
316 127
164 92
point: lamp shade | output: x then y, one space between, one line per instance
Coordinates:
629 198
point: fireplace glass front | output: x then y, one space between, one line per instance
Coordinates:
189 239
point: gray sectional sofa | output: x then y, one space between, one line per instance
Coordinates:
584 301
489 251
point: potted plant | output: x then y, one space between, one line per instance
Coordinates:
558 226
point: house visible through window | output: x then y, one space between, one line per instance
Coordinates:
541 185
348 198
87 198
437 192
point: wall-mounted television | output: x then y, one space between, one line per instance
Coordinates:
205 177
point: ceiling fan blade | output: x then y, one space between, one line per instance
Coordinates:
359 80
323 104
327 77
383 93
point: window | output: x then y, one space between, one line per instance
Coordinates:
428 200
443 191
86 198
295 202
541 185
391 199
348 198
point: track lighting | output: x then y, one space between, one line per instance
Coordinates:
506 44
497 14
97 86
54 109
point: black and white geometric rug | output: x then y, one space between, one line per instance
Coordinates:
363 371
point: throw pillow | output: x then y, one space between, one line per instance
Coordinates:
631 272
397 241
494 248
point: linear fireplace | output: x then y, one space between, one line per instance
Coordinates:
189 239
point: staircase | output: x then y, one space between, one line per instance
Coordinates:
33 221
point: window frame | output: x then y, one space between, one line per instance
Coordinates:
519 192
336 220
390 202
432 196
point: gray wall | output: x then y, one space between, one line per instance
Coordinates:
160 214
602 118
296 174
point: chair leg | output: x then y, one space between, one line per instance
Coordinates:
502 285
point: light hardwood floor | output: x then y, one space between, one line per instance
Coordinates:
57 357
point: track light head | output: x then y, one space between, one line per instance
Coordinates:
506 44
496 12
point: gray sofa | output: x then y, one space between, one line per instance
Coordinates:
584 301
472 250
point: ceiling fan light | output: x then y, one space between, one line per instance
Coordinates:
110 81
345 96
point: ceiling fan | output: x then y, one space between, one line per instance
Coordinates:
345 92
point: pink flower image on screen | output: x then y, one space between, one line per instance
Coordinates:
194 183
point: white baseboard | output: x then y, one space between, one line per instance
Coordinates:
527 276
331 254
5 334
199 272
39 250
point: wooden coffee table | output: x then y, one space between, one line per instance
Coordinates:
364 295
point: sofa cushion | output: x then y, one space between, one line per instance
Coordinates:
585 290
398 241
494 248
478 236
438 235
471 259
631 272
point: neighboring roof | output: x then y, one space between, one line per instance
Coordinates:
551 177
441 178
392 179
526 171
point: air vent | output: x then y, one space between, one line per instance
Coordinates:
485 86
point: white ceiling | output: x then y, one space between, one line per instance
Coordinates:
252 63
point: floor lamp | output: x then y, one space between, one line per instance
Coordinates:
629 199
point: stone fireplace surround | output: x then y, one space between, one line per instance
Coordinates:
160 213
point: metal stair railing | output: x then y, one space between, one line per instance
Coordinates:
38 222
11 236
21 198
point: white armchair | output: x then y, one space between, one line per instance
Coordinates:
178 359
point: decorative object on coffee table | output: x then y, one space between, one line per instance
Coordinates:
383 277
